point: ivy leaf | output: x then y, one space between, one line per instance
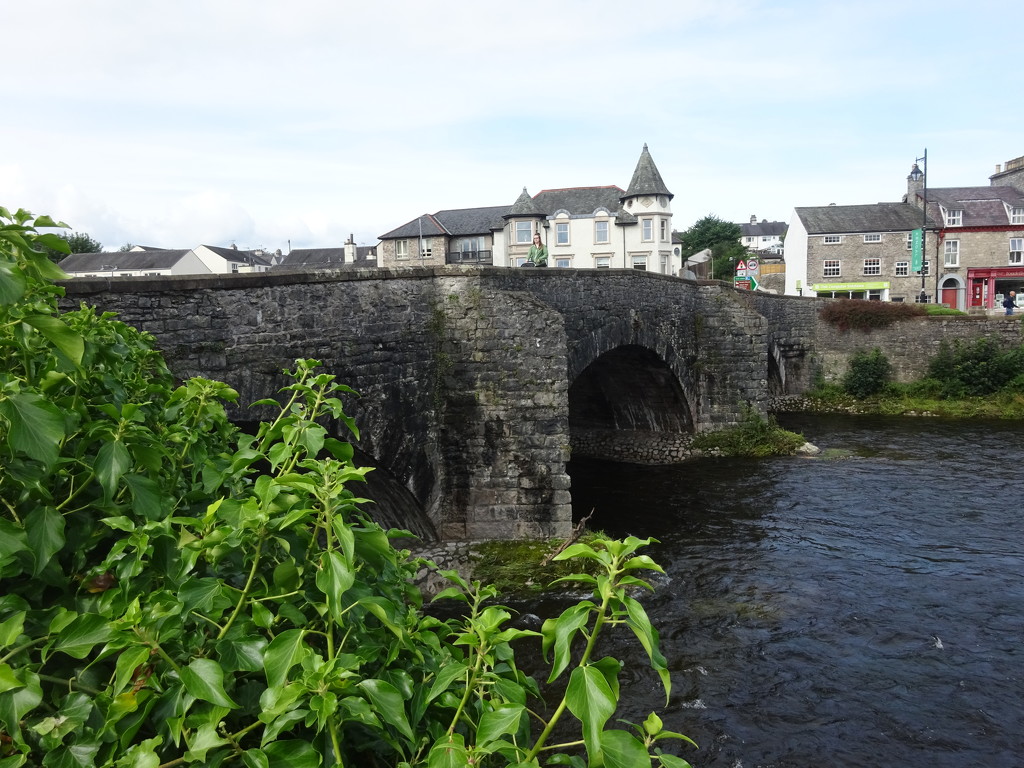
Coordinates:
255 758
12 284
622 749
560 633
112 461
11 628
449 752
146 496
56 331
44 529
284 652
389 704
36 426
129 660
292 753
8 680
590 699
333 579
81 635
498 722
203 741
204 679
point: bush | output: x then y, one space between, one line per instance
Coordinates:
862 315
868 374
754 436
976 369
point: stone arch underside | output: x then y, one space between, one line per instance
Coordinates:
628 405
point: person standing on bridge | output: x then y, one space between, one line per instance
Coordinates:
538 252
1010 302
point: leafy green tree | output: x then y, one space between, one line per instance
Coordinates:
126 247
707 233
174 592
77 242
722 237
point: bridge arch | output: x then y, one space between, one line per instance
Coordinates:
628 404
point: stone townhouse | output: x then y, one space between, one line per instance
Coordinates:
972 244
586 227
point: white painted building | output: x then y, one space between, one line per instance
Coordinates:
582 227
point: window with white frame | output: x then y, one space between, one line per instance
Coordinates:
601 231
562 233
524 232
640 262
926 267
832 239
1017 250
602 262
563 261
664 263
954 217
902 268
830 268
664 230
234 266
426 247
1017 215
910 241
401 249
520 260
872 266
647 226
951 253
873 237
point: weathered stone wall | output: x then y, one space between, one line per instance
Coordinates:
911 344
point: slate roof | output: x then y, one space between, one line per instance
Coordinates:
327 257
233 254
122 260
764 228
579 200
456 222
982 206
646 178
876 217
524 206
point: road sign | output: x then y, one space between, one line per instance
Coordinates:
748 283
741 267
752 265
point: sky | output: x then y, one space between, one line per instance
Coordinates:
279 125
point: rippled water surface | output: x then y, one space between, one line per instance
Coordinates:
863 610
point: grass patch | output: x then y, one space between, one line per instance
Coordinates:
910 400
514 567
753 437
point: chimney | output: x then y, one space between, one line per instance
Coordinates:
999 168
234 247
753 219
350 249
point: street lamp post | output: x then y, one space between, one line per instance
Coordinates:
924 218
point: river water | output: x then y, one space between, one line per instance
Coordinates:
865 609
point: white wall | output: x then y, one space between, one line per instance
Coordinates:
796 256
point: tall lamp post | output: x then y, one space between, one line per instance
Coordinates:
924 216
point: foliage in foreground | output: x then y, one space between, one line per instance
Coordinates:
175 593
755 437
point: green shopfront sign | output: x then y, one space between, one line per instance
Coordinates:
823 287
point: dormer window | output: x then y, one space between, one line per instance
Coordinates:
1017 215
955 217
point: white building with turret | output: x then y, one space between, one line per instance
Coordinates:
582 227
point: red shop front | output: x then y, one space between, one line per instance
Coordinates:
987 284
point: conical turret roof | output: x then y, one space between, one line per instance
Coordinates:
646 178
524 206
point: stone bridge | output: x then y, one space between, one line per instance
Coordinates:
476 384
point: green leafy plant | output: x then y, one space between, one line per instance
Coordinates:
868 373
754 436
976 369
175 592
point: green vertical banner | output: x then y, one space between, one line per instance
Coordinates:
916 250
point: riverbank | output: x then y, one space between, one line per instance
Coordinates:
1003 405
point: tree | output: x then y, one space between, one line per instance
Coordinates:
78 242
126 247
707 233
